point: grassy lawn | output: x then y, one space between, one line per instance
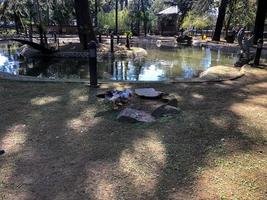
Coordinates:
63 143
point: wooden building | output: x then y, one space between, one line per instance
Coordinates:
168 21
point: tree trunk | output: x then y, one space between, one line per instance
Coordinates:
47 13
220 20
138 20
96 11
40 26
260 20
30 29
121 4
16 21
84 23
231 6
116 17
126 3
144 16
227 25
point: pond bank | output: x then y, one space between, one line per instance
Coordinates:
213 74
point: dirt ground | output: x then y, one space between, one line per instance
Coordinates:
63 143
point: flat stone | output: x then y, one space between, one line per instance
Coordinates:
148 93
165 110
133 115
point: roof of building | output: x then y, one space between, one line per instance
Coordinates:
173 10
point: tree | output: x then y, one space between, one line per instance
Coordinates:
84 23
220 20
239 13
260 20
185 6
145 14
62 13
116 17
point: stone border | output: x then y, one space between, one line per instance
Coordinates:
224 47
22 78
134 52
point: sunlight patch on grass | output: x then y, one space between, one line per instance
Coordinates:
116 86
40 101
83 98
197 96
84 121
15 138
239 176
252 119
221 121
103 180
143 162
75 124
105 190
6 171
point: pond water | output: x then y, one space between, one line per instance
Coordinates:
161 64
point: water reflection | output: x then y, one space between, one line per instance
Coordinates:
9 59
161 64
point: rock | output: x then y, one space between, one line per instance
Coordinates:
171 101
132 115
148 93
2 152
165 110
220 73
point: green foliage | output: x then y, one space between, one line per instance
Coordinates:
61 12
128 33
240 13
197 21
139 12
107 21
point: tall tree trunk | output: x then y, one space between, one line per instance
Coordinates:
126 3
144 17
227 25
116 17
260 20
96 11
30 29
16 21
84 23
231 6
220 20
138 20
121 4
47 13
40 25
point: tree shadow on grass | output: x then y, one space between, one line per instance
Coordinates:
69 153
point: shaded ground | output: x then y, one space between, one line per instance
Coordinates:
61 143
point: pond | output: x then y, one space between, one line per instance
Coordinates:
160 64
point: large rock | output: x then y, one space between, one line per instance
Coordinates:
148 93
133 115
165 110
221 73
